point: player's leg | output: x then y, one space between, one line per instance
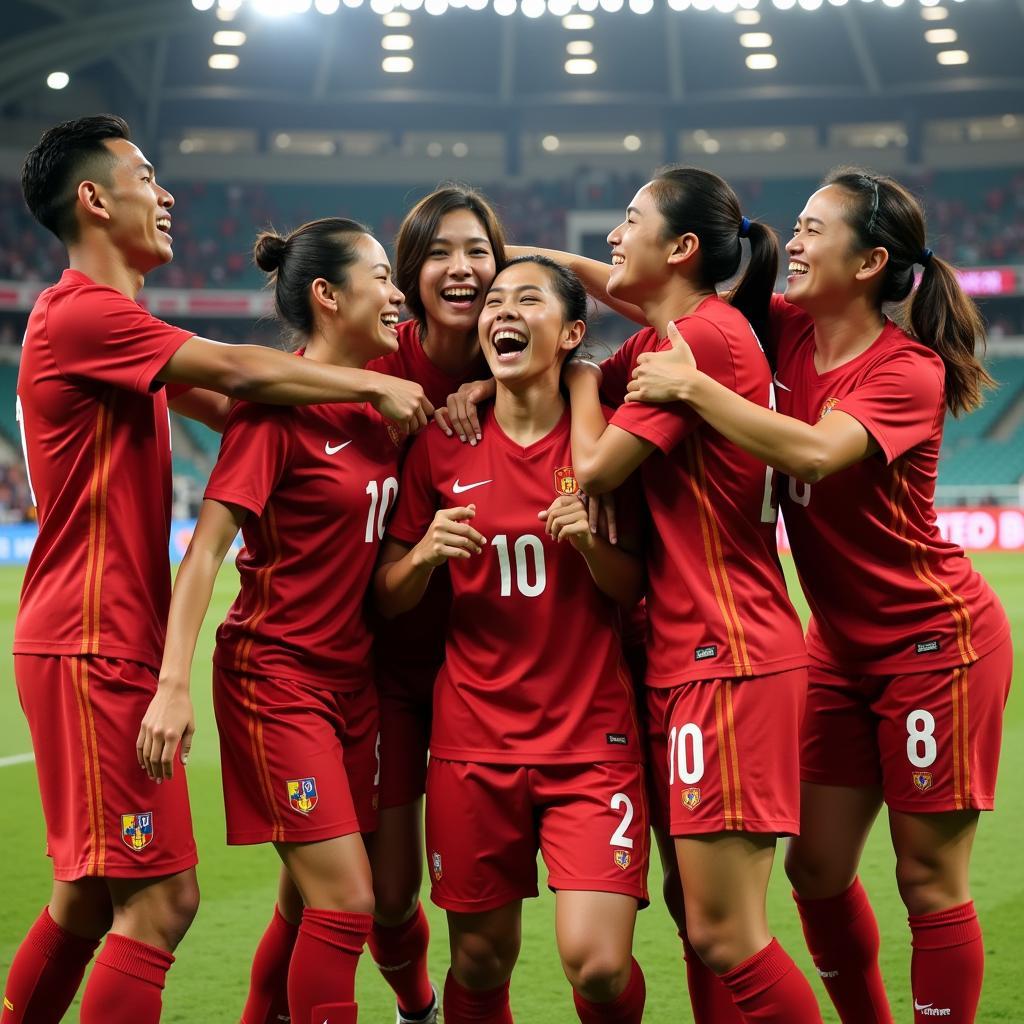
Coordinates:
841 794
484 949
267 1001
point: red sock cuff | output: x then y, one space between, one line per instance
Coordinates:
136 959
758 973
490 1001
847 906
337 928
945 929
49 940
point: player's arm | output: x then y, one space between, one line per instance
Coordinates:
459 416
808 452
593 273
603 456
404 570
616 569
170 718
207 407
273 377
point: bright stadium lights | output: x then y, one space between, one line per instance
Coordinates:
747 18
940 35
559 8
352 3
327 6
641 6
223 61
580 66
434 149
397 19
631 143
382 6
435 7
726 6
813 5
228 38
396 65
505 7
587 5
533 8
476 5
460 149
578 22
762 61
952 57
396 43
58 79
934 13
202 5
784 5
893 3
611 6
837 3
679 5
756 40
712 146
223 15
550 143
579 47
228 5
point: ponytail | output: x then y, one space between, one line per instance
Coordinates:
752 295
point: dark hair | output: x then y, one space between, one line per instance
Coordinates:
321 248
883 213
61 160
419 228
696 201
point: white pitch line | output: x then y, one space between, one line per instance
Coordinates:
6 762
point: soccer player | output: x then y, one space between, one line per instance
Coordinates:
311 489
911 654
535 741
90 627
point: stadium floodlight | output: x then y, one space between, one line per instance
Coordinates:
559 8
434 149
837 3
587 5
784 5
893 3
952 57
703 5
726 6
533 8
632 143
382 6
397 19
476 5
712 146
58 79
228 5
940 35
226 37
327 6
460 149
411 5
202 5
679 5
578 22
579 48
580 66
813 5
435 7
396 65
505 7
747 18
352 3
611 6
762 61
641 6
396 43
756 40
550 143
223 61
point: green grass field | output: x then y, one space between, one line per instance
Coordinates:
210 978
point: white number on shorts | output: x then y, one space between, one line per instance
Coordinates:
799 492
690 763
921 748
376 751
619 837
524 544
377 518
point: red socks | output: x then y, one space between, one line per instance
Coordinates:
463 1006
710 1000
401 957
947 964
626 1008
842 935
45 973
126 983
267 1002
770 987
322 974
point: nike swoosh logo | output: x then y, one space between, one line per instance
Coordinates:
461 488
778 383
922 1006
333 449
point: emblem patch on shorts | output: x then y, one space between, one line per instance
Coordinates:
691 798
302 795
435 865
137 830
923 780
622 858
565 482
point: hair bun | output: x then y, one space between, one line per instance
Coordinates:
269 251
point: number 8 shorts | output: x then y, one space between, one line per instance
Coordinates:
930 739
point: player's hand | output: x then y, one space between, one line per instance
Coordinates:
450 536
665 376
169 720
402 401
577 371
460 416
566 518
601 513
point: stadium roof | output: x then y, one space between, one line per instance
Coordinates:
477 70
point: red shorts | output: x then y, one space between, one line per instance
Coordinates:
724 754
406 708
930 739
104 817
486 822
300 764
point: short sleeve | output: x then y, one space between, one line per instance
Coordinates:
417 497
899 402
254 454
665 426
100 334
617 369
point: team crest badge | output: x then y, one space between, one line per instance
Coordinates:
137 830
435 865
828 405
691 798
923 780
622 858
302 795
395 434
565 482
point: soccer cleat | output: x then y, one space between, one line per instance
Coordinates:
432 1015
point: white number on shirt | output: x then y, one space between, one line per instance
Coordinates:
526 549
381 499
19 415
770 502
690 762
799 492
921 746
619 837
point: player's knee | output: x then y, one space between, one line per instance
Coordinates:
815 877
360 900
174 911
673 894
395 901
483 962
925 887
597 975
714 942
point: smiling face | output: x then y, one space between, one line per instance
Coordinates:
523 330
457 271
368 306
641 247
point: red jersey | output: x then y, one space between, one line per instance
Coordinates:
319 481
717 604
887 593
415 640
97 439
533 672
